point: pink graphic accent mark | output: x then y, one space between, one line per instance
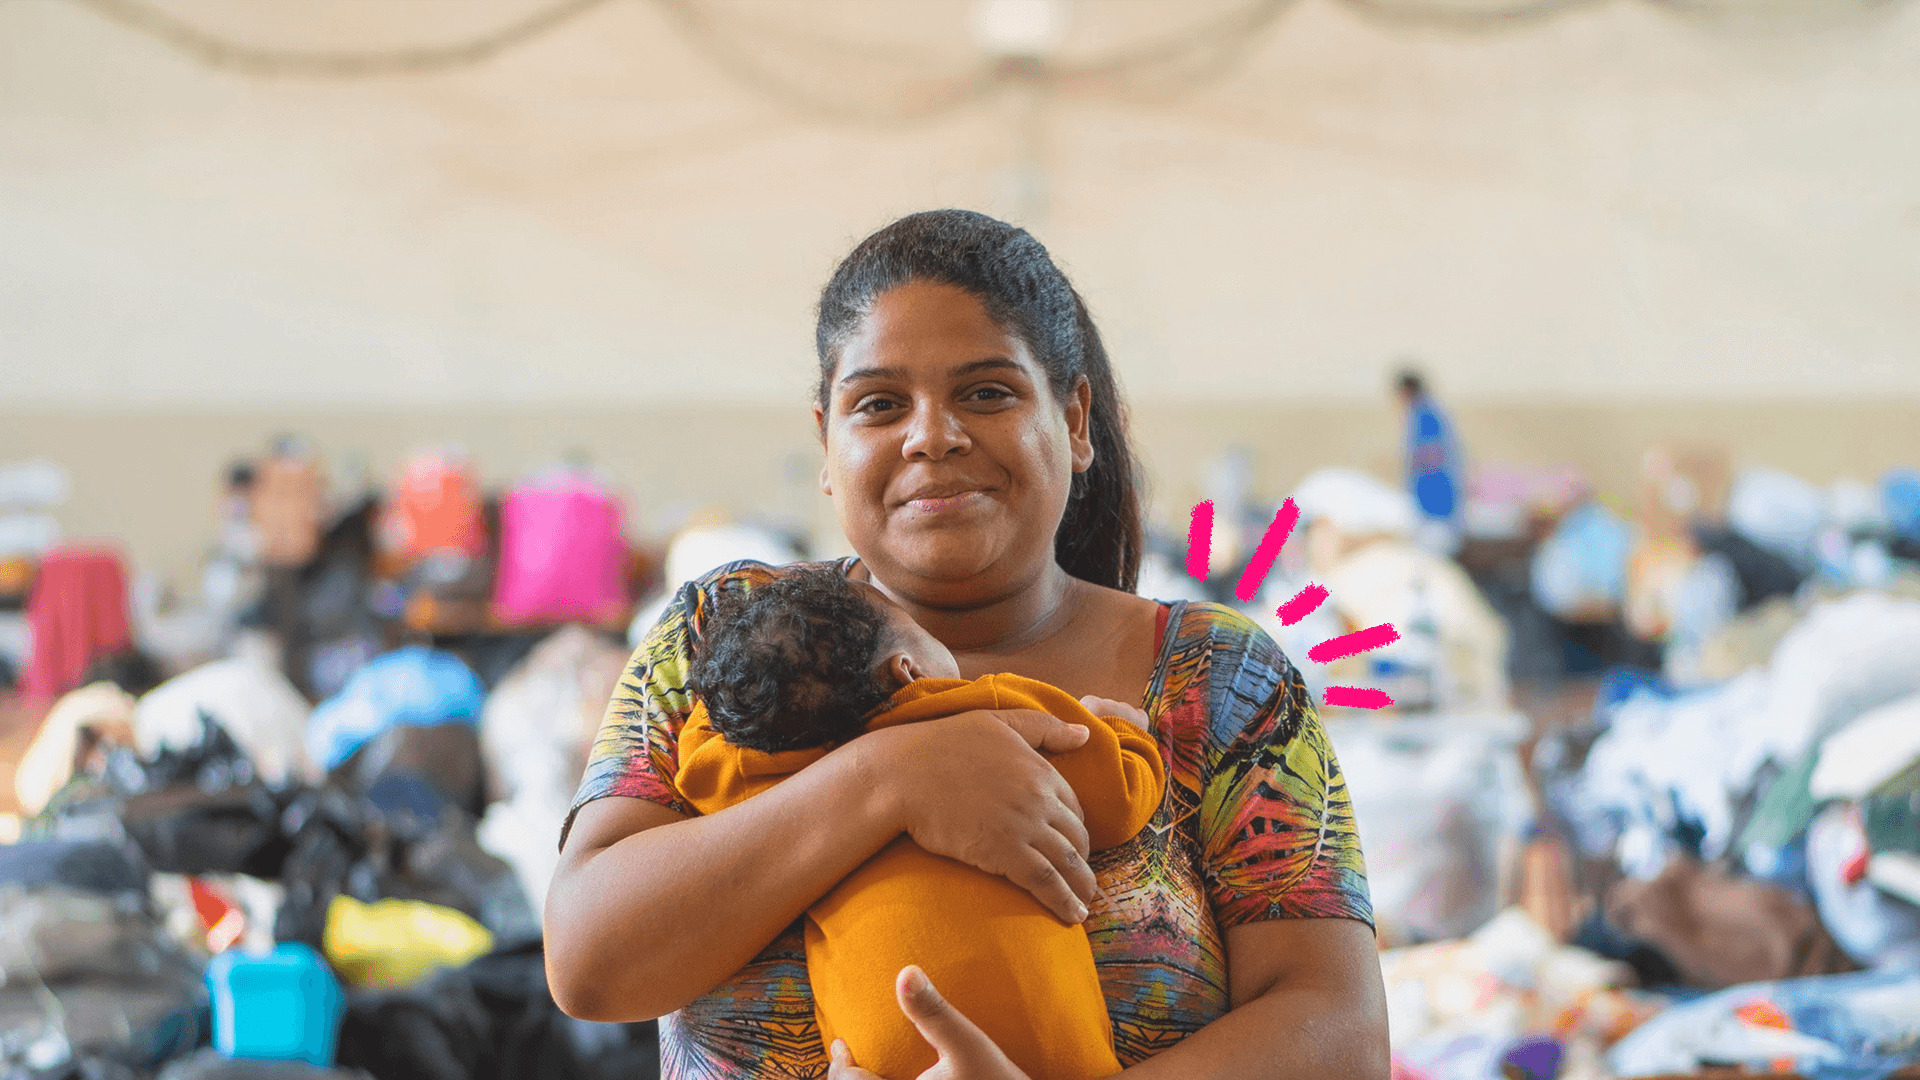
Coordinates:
1200 539
1304 603
1261 565
1347 645
1356 697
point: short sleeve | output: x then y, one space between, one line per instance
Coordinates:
1276 826
636 753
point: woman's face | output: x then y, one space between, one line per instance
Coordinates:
949 458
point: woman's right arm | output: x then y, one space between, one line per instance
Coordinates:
650 909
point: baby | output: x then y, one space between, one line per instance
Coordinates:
795 667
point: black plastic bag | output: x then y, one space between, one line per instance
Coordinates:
215 762
447 756
491 1020
336 844
185 830
449 867
434 1030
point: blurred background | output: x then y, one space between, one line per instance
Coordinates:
370 368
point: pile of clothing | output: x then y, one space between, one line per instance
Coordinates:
1739 817
216 815
1760 836
1508 1001
1709 544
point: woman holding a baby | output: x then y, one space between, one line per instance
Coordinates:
977 456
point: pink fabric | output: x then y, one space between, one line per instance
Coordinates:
78 613
563 554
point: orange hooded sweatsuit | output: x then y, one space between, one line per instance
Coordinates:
1004 961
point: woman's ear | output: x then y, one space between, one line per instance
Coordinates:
1080 424
820 429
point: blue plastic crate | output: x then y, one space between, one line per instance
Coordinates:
283 1006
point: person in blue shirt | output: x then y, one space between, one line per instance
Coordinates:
1435 467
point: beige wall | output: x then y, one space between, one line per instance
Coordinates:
1593 231
149 478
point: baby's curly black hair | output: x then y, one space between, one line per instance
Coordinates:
793 664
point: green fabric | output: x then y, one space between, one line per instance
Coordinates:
1893 822
1785 809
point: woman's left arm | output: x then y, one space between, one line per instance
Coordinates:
1307 1002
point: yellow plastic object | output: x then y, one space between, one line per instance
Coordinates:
398 942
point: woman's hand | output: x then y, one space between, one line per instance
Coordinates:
974 788
965 1051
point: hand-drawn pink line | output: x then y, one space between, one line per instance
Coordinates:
1349 644
1303 604
1200 539
1261 564
1356 697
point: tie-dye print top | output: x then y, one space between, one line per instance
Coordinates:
1255 825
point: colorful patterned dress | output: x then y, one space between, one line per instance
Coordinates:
1255 825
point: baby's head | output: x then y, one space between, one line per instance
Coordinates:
806 659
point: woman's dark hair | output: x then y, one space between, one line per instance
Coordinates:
792 664
1100 534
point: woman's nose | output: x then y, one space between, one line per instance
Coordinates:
934 432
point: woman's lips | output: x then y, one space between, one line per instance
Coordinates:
940 504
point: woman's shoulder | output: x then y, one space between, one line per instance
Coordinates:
1222 659
1221 629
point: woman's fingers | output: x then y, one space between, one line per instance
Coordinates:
1044 732
1036 873
1065 820
1064 792
1070 865
938 1020
965 1050
840 1064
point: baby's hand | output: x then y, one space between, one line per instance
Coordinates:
1100 706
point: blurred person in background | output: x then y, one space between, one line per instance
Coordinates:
228 583
978 459
1436 470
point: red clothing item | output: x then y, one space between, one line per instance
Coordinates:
437 507
78 613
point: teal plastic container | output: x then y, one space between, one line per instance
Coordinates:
284 1006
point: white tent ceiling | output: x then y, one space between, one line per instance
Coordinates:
1614 202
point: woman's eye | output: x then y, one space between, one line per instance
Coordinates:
873 406
989 393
